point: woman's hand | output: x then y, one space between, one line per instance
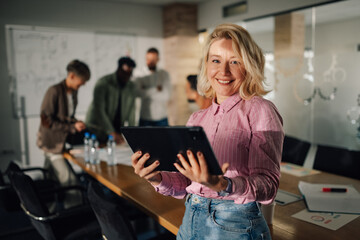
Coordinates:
154 177
197 171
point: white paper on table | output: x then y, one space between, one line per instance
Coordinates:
332 221
103 154
317 200
296 170
284 197
77 151
122 154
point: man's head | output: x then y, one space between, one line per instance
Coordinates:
78 73
152 58
190 88
125 69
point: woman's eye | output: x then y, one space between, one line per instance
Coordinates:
234 62
215 61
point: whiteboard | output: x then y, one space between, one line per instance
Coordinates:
39 60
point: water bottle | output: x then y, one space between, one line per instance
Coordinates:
87 147
94 156
111 145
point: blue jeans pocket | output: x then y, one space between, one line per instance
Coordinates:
231 221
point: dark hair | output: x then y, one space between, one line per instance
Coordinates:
79 68
126 60
153 50
192 79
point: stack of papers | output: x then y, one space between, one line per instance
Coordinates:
339 202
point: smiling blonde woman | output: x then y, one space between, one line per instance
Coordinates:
246 134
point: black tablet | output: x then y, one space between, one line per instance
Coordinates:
164 143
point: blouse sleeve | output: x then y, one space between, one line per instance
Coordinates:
265 151
173 184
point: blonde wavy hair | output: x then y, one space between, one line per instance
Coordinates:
245 49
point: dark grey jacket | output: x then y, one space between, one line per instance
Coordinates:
55 123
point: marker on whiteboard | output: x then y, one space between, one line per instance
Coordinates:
340 190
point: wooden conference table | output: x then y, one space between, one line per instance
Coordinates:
169 211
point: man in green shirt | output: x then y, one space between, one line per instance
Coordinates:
113 103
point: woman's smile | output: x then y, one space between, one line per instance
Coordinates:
224 82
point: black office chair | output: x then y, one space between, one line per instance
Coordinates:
44 183
295 150
8 198
115 216
338 161
75 223
114 223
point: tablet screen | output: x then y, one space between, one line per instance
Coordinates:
164 143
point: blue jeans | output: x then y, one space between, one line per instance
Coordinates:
162 122
215 219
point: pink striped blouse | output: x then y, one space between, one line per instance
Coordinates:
248 135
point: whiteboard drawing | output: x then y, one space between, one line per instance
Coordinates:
108 49
40 58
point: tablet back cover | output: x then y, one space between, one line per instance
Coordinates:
164 143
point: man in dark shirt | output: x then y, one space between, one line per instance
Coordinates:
113 103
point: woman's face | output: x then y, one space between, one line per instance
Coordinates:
224 70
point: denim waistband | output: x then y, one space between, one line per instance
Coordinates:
220 204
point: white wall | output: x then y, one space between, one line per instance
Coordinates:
143 21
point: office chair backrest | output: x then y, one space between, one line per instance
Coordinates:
29 198
2 181
13 167
9 201
295 150
338 161
114 224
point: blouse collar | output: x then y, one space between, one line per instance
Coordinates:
226 105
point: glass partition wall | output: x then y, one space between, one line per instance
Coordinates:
313 70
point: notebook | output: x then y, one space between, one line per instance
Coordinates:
339 202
